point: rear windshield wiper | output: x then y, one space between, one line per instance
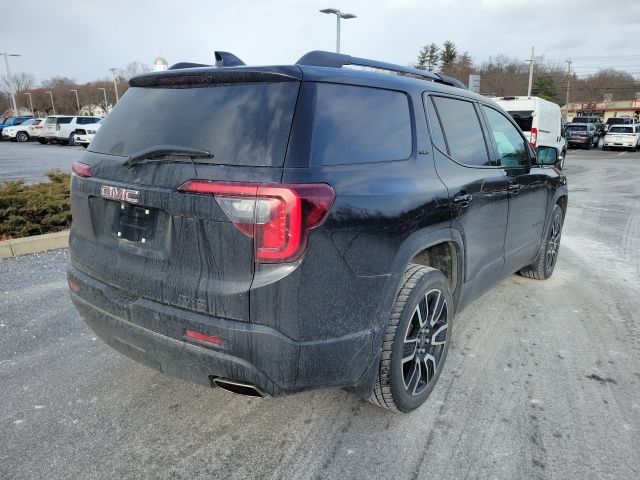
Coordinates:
166 153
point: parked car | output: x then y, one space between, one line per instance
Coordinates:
288 235
10 122
622 136
539 120
36 129
21 132
86 134
62 128
618 121
595 121
581 135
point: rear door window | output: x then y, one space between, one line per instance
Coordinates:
524 119
462 131
360 124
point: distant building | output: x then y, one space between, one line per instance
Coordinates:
604 109
160 64
93 110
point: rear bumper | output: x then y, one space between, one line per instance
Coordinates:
153 334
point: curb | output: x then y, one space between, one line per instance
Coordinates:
35 244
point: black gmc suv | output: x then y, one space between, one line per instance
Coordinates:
269 230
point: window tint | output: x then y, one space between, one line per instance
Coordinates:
512 148
436 129
360 124
621 130
239 123
462 131
63 120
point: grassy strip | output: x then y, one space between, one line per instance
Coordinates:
35 209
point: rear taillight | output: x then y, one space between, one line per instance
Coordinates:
81 170
37 127
278 217
533 140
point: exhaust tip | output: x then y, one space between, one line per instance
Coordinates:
239 388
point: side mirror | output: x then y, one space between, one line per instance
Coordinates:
549 156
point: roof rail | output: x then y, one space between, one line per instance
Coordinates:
320 58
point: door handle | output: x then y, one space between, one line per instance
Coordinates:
462 200
514 189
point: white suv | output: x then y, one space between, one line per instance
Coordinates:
622 136
62 128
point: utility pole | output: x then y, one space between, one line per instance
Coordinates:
568 85
115 83
53 105
104 92
530 74
77 99
33 112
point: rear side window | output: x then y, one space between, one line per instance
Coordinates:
63 120
462 131
359 125
512 148
436 129
239 123
50 120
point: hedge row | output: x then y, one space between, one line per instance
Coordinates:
35 209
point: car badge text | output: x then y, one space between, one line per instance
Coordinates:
120 194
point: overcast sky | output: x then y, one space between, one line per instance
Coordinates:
82 39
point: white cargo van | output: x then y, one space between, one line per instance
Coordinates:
539 119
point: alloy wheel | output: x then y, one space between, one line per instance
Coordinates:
424 342
553 243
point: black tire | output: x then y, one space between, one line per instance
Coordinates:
546 260
406 378
72 139
62 142
22 137
43 141
85 145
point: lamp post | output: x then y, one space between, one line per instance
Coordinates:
52 104
115 83
104 92
6 64
31 103
77 99
338 15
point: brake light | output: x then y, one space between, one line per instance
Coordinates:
534 137
278 217
81 170
37 127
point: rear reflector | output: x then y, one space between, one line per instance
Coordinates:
74 286
203 337
278 217
81 170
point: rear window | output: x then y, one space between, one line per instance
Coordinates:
240 124
359 125
576 128
621 130
524 119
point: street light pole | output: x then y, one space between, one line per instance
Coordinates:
115 83
104 92
77 99
52 104
568 85
6 64
338 15
31 103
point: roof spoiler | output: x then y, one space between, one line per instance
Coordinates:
223 59
320 58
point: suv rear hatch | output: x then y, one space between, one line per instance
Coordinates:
134 226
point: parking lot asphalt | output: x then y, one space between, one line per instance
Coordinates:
542 380
30 161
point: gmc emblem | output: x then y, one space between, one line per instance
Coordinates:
119 194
